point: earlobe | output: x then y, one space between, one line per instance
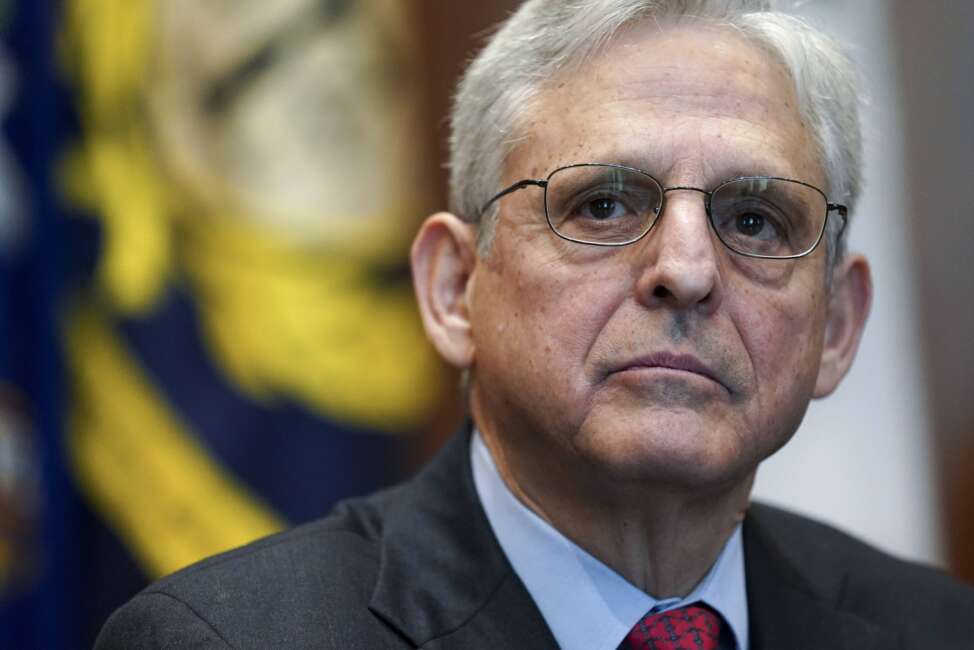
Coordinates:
849 302
443 257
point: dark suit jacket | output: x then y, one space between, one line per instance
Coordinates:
418 566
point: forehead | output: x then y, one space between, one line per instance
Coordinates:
689 102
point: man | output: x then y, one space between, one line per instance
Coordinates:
644 279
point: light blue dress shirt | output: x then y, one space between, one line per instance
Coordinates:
587 605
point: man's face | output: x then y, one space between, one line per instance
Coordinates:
671 359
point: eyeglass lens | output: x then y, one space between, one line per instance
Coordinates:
606 204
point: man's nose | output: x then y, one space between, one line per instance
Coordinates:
679 257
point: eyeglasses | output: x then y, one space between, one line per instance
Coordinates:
614 205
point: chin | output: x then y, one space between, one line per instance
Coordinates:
677 450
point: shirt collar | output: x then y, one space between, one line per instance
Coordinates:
603 606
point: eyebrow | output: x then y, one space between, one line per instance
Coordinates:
715 171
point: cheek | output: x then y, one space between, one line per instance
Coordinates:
783 336
539 316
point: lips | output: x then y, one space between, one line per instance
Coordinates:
684 362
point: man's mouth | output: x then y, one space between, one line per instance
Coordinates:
670 361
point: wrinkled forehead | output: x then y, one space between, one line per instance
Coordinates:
689 100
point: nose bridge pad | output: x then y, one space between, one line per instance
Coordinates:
687 188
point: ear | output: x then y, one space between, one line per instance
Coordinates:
443 257
849 302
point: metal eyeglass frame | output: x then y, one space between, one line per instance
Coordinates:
527 182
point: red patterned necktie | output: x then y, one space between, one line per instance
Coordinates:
694 627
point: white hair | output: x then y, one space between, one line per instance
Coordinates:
545 39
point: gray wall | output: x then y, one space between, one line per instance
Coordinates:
935 57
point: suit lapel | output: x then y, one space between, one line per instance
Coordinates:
794 600
443 578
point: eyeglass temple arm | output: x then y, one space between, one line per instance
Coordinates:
520 185
843 212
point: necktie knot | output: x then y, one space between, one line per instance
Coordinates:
694 627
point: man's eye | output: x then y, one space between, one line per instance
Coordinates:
751 224
603 208
754 226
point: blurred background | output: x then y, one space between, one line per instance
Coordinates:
207 331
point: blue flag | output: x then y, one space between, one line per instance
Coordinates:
229 191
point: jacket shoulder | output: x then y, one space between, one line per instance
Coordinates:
286 590
889 591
